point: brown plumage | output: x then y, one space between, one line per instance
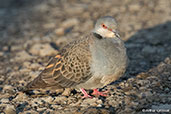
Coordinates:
67 69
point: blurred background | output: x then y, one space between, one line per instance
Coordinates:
39 28
33 31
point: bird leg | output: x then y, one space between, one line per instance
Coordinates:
86 95
96 92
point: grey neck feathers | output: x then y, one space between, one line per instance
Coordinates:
107 43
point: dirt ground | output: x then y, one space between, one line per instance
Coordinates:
31 32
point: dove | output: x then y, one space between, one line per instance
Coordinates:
92 61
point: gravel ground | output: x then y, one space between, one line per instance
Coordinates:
31 32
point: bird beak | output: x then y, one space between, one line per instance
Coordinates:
116 33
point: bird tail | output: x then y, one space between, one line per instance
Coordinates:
36 84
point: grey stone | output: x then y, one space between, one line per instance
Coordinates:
10 109
43 50
23 55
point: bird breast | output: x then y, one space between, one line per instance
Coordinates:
107 56
107 63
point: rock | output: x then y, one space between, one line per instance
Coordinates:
2 78
49 25
75 9
22 56
26 64
48 99
149 50
88 25
35 66
70 22
10 109
24 70
91 102
5 48
56 106
8 87
60 99
78 103
20 97
16 47
169 78
35 39
42 50
167 89
1 89
134 7
132 45
95 111
21 83
61 40
30 112
67 92
4 100
41 7
1 53
36 102
49 111
168 60
145 94
153 38
41 109
60 31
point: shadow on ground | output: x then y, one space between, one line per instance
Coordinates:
19 3
147 48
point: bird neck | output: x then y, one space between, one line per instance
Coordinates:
97 36
106 40
100 37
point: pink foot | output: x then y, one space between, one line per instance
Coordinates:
96 92
86 95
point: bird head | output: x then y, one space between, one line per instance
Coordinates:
106 27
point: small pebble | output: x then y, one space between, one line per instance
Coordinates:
43 50
10 109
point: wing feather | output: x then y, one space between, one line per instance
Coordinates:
67 69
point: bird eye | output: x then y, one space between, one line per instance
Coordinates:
104 26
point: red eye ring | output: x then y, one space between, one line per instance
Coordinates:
104 26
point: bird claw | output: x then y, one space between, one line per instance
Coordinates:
98 93
87 96
95 92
